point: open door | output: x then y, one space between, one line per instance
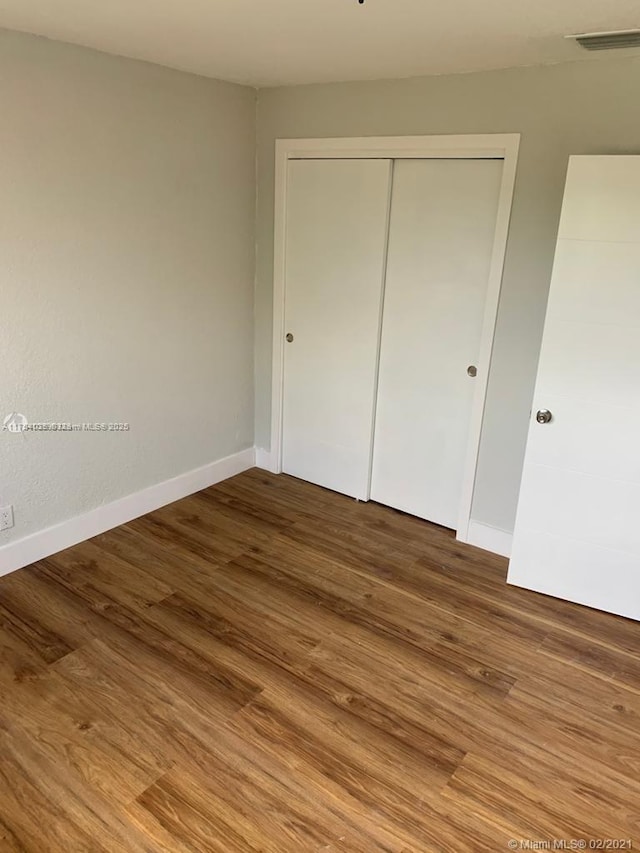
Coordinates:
577 532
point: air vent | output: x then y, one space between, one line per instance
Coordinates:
608 41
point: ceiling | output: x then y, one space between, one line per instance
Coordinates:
275 42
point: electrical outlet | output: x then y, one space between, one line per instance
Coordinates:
6 517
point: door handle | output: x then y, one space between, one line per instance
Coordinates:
472 371
289 338
544 416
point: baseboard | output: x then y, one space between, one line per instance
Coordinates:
264 460
490 538
46 542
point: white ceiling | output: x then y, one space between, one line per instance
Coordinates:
273 42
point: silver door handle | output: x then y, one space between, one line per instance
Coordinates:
290 338
472 371
544 416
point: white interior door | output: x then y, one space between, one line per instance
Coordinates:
441 238
337 217
577 534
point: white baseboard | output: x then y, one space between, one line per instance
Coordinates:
49 541
264 460
490 538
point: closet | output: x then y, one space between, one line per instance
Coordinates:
387 265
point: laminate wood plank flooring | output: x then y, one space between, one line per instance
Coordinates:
268 666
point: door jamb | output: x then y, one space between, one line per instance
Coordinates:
475 146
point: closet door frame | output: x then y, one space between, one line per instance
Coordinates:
482 146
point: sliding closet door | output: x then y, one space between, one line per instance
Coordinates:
442 230
337 215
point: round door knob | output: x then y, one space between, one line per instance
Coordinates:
290 338
472 371
544 416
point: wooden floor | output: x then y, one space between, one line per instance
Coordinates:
267 666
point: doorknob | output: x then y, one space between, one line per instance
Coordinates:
544 416
472 371
290 338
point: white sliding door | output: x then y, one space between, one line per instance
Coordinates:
337 215
442 233
577 532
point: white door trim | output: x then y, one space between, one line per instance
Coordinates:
482 146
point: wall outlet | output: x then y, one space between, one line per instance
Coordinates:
6 517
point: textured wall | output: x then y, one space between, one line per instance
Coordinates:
126 274
576 108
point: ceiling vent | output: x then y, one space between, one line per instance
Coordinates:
608 41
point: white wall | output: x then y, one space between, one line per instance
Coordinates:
566 109
126 274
